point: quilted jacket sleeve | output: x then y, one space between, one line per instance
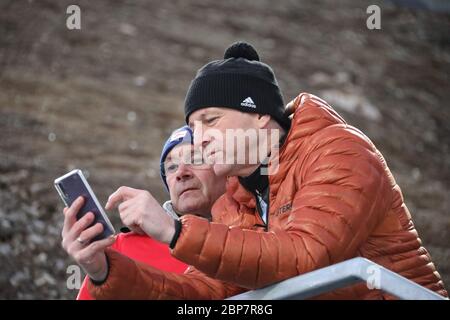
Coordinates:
129 279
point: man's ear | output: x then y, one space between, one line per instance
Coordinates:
263 120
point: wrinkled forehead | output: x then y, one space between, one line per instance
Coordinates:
180 151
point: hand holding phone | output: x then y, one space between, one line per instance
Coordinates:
84 222
73 185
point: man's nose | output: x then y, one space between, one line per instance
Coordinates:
201 138
183 172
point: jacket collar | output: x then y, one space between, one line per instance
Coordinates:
168 207
256 182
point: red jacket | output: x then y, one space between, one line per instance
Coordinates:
143 249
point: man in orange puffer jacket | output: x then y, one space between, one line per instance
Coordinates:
325 196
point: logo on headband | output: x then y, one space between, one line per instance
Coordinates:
178 135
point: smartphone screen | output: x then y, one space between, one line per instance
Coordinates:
72 185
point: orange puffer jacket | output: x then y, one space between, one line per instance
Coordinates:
332 198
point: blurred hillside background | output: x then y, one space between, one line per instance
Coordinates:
105 98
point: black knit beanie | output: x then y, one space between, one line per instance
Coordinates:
240 82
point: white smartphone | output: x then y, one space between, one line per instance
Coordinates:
72 185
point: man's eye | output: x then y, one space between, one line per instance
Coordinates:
171 168
211 120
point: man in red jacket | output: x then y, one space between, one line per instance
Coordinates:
193 189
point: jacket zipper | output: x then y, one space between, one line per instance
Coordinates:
266 224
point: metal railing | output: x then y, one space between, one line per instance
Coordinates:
341 275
